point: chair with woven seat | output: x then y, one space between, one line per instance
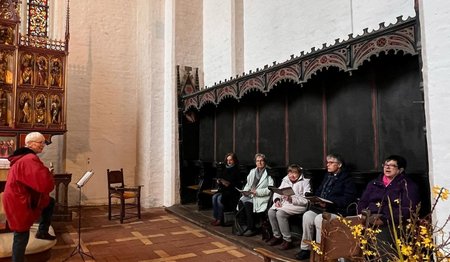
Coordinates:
129 197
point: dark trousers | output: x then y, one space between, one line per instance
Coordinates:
19 245
385 243
248 214
46 216
20 240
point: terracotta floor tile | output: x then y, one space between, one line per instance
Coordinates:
158 236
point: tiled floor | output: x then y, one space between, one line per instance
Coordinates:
158 236
202 218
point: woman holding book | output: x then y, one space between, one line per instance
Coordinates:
227 195
255 195
287 201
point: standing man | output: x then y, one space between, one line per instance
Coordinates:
26 195
338 188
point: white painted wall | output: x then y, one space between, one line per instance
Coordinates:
217 37
435 31
150 45
101 110
188 34
274 30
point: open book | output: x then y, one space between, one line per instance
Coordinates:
287 191
245 193
223 182
316 199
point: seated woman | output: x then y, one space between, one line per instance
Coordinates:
256 194
227 195
284 206
395 187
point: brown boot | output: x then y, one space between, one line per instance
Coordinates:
275 241
286 245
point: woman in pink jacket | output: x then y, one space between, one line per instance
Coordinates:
26 195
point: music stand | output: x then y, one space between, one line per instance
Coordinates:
79 249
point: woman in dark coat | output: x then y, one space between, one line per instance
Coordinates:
392 196
227 196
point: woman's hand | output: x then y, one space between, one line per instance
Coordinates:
277 203
287 198
322 204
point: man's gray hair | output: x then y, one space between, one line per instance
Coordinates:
33 136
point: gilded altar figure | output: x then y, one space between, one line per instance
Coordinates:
55 72
3 67
3 107
42 69
27 69
25 107
55 108
41 108
6 35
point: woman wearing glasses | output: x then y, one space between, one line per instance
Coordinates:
390 196
255 195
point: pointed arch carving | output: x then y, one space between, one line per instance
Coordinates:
337 59
207 97
227 92
256 83
288 73
402 40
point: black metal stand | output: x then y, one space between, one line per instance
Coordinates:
79 249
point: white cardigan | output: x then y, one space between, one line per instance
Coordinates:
262 196
299 203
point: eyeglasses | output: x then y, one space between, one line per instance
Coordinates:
390 166
331 162
40 142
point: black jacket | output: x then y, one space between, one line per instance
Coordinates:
340 190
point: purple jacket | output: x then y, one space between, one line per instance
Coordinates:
402 192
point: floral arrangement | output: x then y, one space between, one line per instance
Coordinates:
417 239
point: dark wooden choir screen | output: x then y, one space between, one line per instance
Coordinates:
375 111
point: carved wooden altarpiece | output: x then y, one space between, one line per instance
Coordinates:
32 71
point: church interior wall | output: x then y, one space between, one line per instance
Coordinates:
217 40
108 126
155 45
189 33
102 100
272 32
435 39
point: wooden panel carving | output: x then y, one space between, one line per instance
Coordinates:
227 91
336 59
32 72
254 83
346 55
291 73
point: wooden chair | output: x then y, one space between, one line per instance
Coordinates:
117 189
337 240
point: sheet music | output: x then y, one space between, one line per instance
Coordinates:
85 178
316 199
287 191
